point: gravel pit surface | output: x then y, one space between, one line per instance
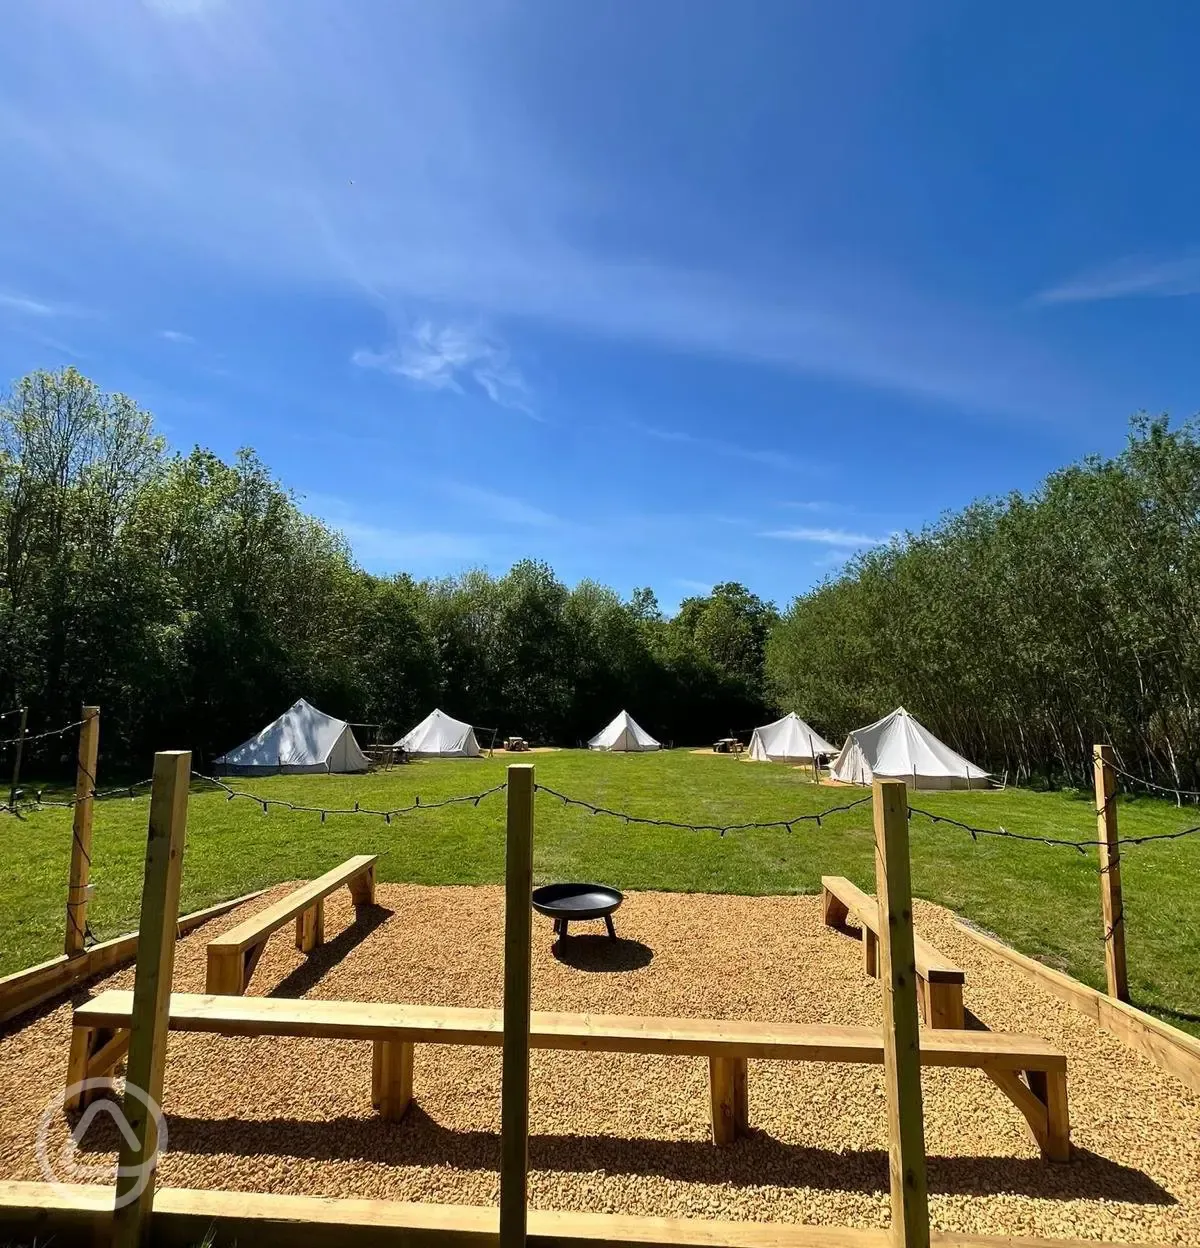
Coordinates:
625 1133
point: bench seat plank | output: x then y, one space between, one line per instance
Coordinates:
1029 1070
931 965
258 926
608 1033
234 954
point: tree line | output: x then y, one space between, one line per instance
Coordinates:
194 601
1024 629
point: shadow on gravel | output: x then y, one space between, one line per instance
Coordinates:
599 953
755 1160
325 957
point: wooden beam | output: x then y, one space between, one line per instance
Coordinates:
1050 1087
518 934
362 887
944 1004
137 1159
591 1033
304 904
79 1215
1111 905
18 752
1173 1050
843 898
901 1042
23 990
728 1092
81 831
870 952
310 928
834 909
392 1078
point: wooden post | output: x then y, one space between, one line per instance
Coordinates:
729 1093
16 776
81 832
518 933
392 1078
138 1160
901 1041
310 927
1110 873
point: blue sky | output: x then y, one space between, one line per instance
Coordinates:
668 293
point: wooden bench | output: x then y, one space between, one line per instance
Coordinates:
100 1025
234 954
939 981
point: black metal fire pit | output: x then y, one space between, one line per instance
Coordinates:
571 903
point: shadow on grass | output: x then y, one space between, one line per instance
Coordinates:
753 1161
599 953
325 957
1166 1013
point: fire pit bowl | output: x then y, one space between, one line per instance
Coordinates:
571 903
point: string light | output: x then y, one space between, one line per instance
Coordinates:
1081 846
357 809
789 824
41 736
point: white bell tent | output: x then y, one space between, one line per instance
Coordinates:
898 746
624 735
788 740
439 735
301 740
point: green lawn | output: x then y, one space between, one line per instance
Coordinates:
1043 900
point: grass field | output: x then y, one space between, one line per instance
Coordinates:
1043 900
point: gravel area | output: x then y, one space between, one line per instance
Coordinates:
629 1134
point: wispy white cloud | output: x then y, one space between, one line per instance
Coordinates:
699 587
385 547
288 152
181 8
1132 277
445 357
718 446
178 336
380 545
825 537
58 346
30 307
500 508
